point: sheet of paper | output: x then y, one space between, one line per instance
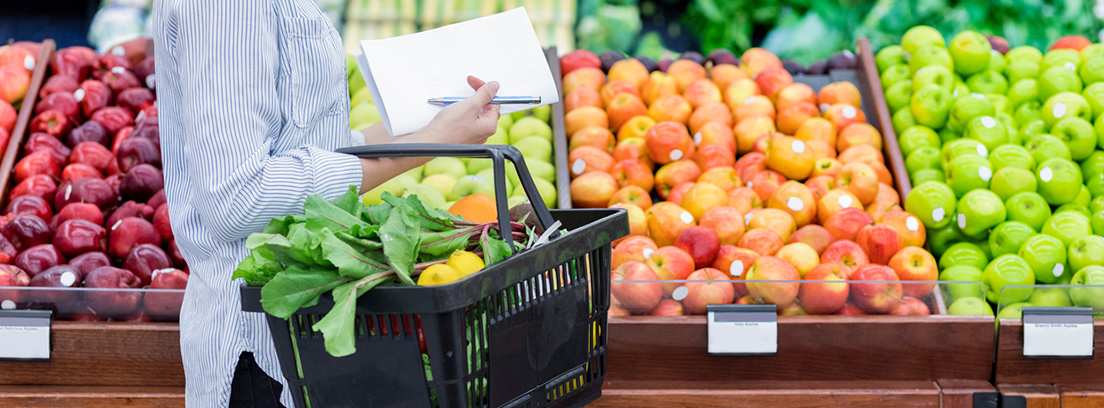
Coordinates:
404 72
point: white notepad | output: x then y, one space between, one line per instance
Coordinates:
402 73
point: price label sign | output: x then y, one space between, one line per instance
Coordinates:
25 335
742 329
1058 332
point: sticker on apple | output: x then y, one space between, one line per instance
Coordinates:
7 305
737 268
686 217
697 138
988 121
118 70
985 173
912 224
937 214
1046 174
676 155
1058 269
648 253
961 220
849 112
1059 109
578 167
798 146
78 94
118 51
680 293
982 151
29 63
747 218
68 278
795 204
845 201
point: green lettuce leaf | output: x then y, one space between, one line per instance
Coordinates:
297 288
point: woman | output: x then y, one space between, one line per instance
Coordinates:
253 99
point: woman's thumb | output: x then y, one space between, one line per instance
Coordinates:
484 95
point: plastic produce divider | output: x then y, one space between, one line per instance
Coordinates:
559 135
495 152
895 162
15 140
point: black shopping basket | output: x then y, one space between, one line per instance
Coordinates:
529 331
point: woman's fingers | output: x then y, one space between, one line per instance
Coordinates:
475 83
483 96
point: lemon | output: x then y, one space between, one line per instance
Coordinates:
439 274
466 263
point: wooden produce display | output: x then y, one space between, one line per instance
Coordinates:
1048 382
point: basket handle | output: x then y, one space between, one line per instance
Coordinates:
497 153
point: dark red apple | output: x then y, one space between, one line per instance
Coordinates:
144 259
137 150
82 211
88 261
177 257
114 302
157 199
40 162
148 128
93 95
30 205
63 102
78 171
43 141
12 276
7 251
51 122
135 99
71 63
60 277
26 231
93 154
143 70
39 258
130 232
86 190
113 118
58 84
113 181
141 182
41 185
122 135
90 131
161 222
166 305
130 209
77 236
120 80
106 63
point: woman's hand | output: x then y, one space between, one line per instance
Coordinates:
471 121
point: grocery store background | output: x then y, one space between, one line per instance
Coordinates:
802 30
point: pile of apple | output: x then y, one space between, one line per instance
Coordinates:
805 223
17 62
88 206
1003 152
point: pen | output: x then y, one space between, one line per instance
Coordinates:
499 100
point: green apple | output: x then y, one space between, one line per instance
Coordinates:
899 95
964 254
516 199
427 194
933 203
1023 91
1028 208
518 115
1010 181
919 36
1097 222
501 136
895 75
1095 184
1024 52
926 157
356 80
505 121
416 173
978 211
960 89
968 172
940 240
543 112
890 56
477 165
961 281
947 135
1019 70
970 51
930 55
970 306
1064 105
1083 210
933 75
442 182
966 107
1045 146
1091 293
916 137
989 131
1032 129
451 166
1014 135
1052 297
1011 155
1047 257
923 175
1067 226
1008 237
396 187
1092 71
997 62
1008 270
547 191
363 116
962 147
1096 204
535 148
1000 102
1028 112
930 106
527 127
1060 58
1091 51
1083 199
902 119
361 96
1092 165
1094 95
1059 179
511 176
542 170
1078 135
1085 251
1057 80
471 184
1012 311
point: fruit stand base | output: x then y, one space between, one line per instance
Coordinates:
65 396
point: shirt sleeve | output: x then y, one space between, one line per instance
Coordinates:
227 56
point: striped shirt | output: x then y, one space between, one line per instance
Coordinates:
253 99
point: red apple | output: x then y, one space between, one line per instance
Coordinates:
848 253
880 242
769 268
671 263
911 307
130 232
112 302
636 297
875 289
814 236
707 286
846 223
162 305
735 261
849 309
701 243
915 264
825 289
667 307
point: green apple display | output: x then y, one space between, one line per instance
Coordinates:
1012 311
1006 271
1008 237
1091 290
932 202
1094 95
962 147
1011 155
941 239
1028 208
488 175
924 175
987 82
1010 181
1047 257
451 166
1078 134
920 36
1046 146
1059 180
964 254
930 106
1067 226
527 127
890 56
1023 91
902 118
535 148
916 137
961 281
970 306
899 96
926 157
471 184
967 173
989 131
1058 80
1085 251
932 75
970 51
978 211
967 107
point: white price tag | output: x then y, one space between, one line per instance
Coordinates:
1063 332
742 329
25 335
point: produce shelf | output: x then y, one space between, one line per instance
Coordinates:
26 111
91 397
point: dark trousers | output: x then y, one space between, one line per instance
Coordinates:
252 388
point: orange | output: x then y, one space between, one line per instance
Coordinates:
477 207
